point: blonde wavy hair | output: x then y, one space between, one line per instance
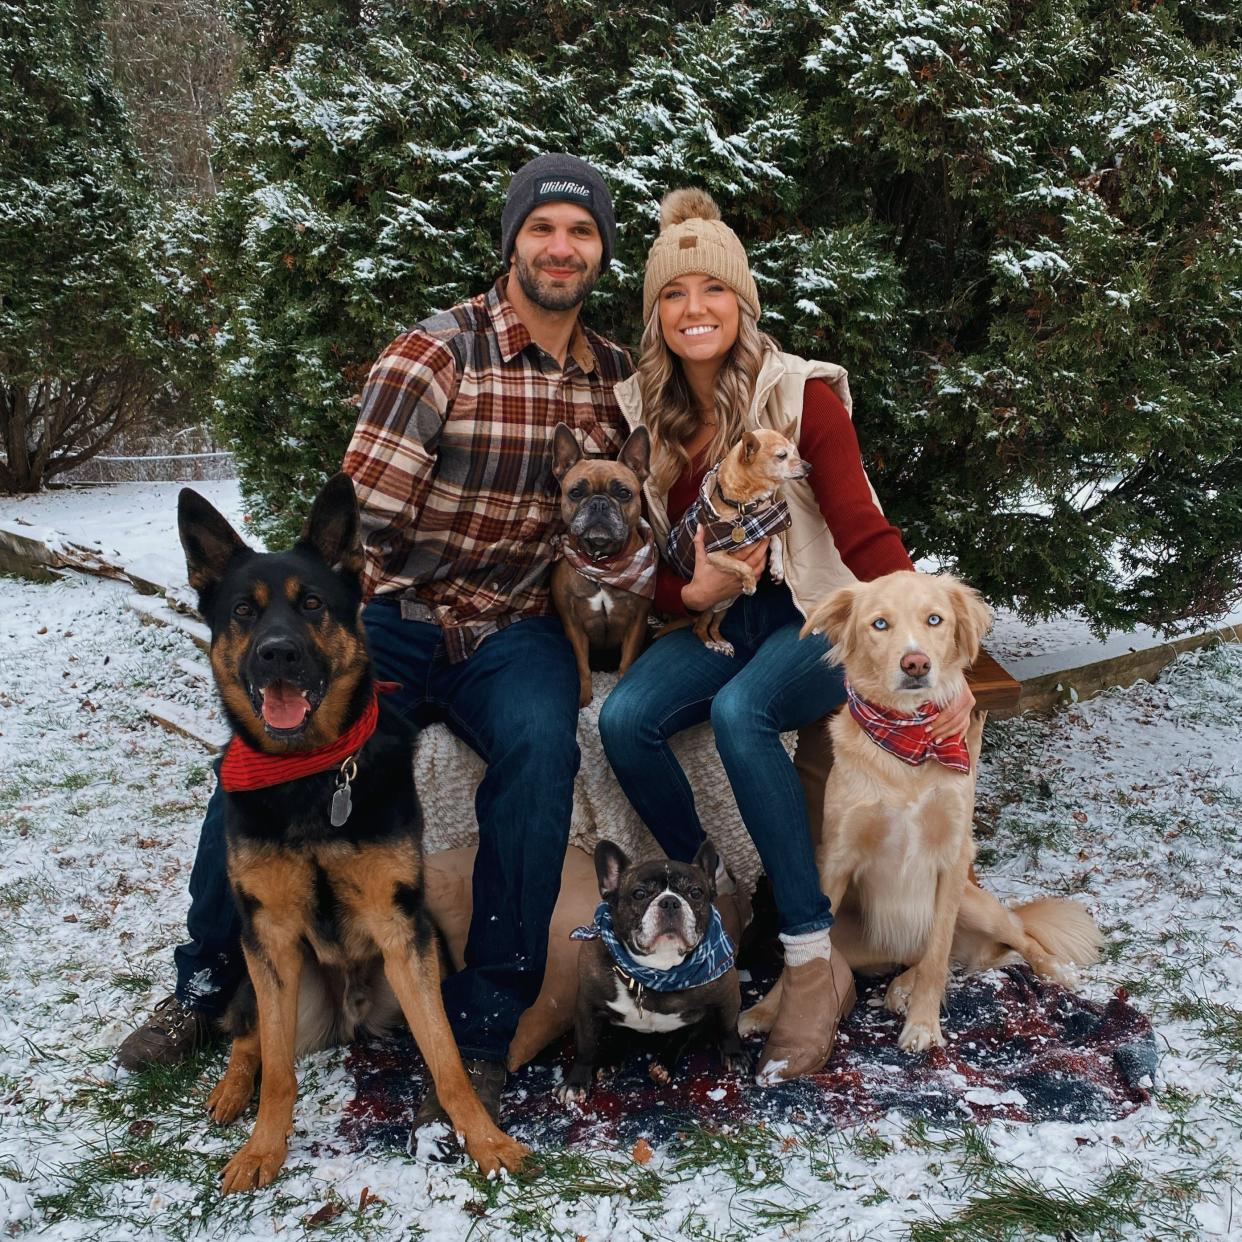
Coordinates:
668 407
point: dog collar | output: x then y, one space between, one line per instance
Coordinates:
709 959
245 768
905 735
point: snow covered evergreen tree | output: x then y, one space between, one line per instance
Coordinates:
83 348
1018 225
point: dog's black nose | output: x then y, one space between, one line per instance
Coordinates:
278 654
670 904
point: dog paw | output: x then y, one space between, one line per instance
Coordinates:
496 1152
722 646
229 1098
897 998
252 1168
571 1093
919 1036
755 1021
740 1063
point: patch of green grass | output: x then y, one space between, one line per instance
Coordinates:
197 775
127 981
525 1200
1015 1205
1219 1024
16 893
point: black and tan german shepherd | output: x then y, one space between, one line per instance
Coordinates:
326 868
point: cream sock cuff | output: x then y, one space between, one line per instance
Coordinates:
806 947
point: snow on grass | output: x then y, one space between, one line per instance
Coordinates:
1131 802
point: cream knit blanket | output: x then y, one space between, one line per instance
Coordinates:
447 771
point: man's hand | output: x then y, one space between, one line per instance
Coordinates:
710 585
954 718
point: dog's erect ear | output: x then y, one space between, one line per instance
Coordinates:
709 860
636 453
750 446
610 862
972 617
566 451
332 527
790 431
832 618
210 543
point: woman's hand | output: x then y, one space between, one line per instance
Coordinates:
711 586
954 718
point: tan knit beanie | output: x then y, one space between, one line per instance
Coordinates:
694 239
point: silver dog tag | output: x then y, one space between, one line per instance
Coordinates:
342 804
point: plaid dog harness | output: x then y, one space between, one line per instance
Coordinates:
627 571
710 958
753 521
904 736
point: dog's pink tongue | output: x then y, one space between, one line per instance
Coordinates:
284 705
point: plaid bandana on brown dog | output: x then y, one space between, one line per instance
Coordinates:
721 534
627 571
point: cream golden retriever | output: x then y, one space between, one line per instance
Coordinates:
897 846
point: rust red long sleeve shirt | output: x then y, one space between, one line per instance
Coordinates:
869 544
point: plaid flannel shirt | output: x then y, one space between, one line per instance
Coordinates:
452 463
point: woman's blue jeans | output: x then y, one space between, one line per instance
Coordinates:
775 682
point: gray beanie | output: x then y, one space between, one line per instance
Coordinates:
557 179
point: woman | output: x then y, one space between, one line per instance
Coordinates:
706 374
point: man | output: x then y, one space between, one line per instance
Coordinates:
451 463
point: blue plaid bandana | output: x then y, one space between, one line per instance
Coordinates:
711 957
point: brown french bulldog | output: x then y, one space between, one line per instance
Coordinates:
656 959
601 502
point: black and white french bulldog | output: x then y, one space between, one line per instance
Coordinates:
656 959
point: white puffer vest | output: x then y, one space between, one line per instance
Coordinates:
813 566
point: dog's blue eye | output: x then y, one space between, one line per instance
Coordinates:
879 624
934 619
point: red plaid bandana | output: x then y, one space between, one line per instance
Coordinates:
904 736
627 571
718 531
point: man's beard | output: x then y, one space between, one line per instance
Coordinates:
569 295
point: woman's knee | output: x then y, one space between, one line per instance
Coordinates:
625 723
738 719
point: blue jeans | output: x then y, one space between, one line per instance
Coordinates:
774 683
514 702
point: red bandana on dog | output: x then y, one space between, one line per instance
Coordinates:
903 735
627 571
244 767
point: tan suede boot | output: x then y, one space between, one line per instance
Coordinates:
815 996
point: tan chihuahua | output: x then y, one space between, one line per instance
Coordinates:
739 505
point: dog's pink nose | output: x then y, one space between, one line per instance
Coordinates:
915 664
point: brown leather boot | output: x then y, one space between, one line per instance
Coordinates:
814 998
173 1032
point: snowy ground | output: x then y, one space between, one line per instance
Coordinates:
1131 801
